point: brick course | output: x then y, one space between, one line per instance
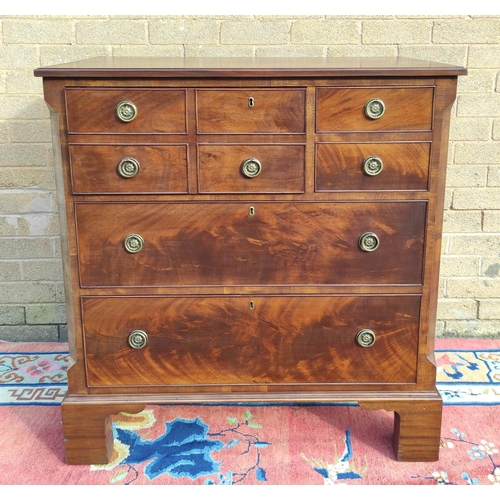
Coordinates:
31 290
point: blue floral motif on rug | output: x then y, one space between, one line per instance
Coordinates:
184 450
340 468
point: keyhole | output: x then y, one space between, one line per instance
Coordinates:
251 211
251 102
252 305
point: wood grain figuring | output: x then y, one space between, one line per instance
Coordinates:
340 166
219 168
228 112
342 109
94 169
220 340
94 111
222 244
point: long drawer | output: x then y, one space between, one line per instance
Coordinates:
254 243
139 341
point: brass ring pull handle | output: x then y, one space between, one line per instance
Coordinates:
373 165
251 167
137 339
365 338
369 242
128 167
374 108
133 243
126 111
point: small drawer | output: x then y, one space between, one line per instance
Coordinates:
125 111
128 169
252 243
199 340
372 166
374 109
251 111
251 168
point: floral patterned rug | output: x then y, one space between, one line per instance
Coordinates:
251 444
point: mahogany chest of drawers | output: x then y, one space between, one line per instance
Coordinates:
250 230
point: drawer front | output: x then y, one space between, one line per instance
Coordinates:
251 168
343 109
128 169
222 340
372 166
95 111
251 111
249 243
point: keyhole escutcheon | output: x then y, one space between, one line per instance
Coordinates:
251 102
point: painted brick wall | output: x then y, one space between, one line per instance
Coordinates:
31 291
